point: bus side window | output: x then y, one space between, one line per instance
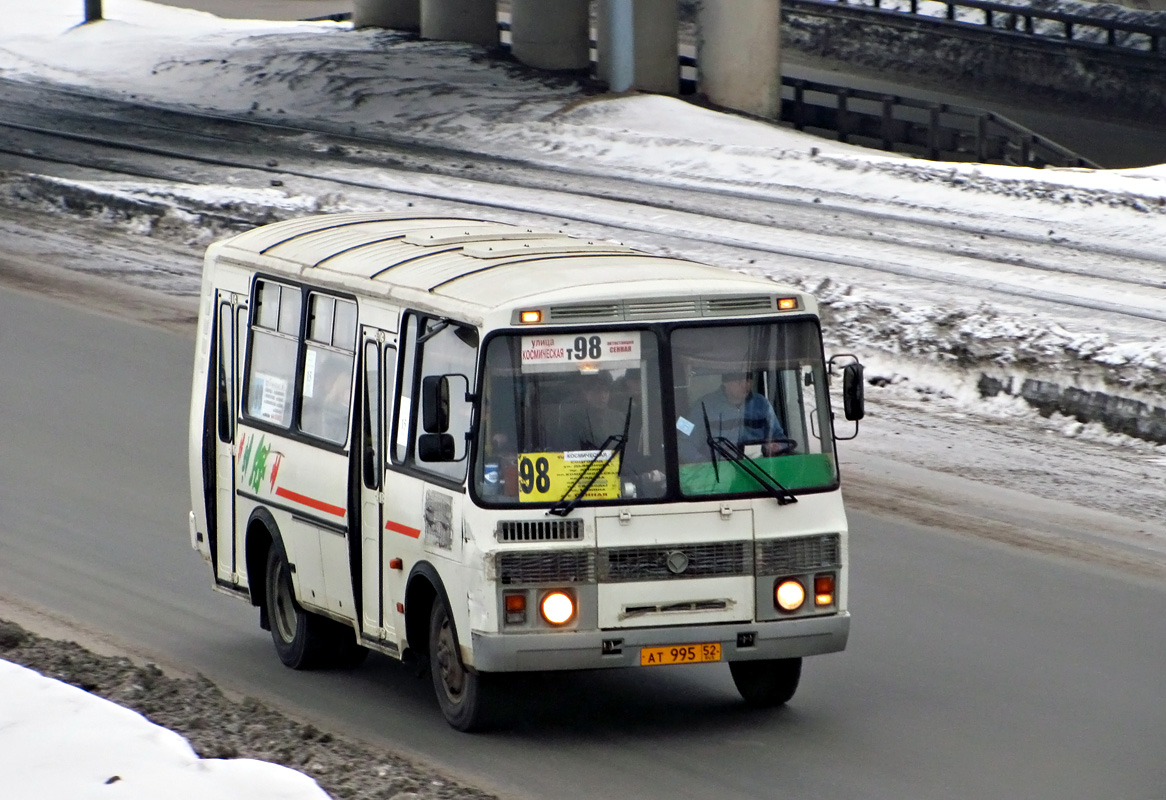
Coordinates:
326 389
226 405
378 402
451 350
403 408
274 345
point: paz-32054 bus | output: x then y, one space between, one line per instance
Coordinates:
498 449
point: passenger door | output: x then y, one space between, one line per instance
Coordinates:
231 321
382 585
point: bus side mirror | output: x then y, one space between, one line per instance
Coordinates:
434 406
436 447
853 399
853 394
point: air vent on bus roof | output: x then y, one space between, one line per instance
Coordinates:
464 234
592 311
751 304
661 309
546 247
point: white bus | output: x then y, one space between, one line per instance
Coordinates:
500 450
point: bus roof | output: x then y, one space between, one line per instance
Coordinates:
479 264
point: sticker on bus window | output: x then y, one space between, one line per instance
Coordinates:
580 350
272 397
309 373
546 477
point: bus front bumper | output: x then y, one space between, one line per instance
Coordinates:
744 641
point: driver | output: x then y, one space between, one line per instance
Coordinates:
741 415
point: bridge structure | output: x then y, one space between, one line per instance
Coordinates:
738 42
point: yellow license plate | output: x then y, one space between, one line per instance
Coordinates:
680 654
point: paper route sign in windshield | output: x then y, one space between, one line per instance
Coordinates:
546 477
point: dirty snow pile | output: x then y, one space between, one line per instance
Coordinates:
60 742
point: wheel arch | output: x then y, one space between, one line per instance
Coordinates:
423 587
262 533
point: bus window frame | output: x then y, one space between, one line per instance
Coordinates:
291 431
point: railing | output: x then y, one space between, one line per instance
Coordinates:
939 131
1055 26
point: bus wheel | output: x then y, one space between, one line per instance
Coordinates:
464 696
299 636
765 684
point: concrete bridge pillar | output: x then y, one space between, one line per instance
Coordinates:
654 58
551 34
403 15
473 21
739 55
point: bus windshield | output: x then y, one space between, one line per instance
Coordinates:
564 410
753 393
584 412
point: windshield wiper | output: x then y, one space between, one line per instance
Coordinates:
563 507
729 450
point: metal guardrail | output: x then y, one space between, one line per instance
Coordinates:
939 131
1036 24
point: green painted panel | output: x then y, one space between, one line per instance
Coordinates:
792 472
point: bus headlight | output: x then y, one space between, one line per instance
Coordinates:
557 608
789 595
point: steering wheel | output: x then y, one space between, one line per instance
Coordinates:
789 446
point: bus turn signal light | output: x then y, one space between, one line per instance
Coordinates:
787 303
531 316
557 608
789 595
824 590
515 609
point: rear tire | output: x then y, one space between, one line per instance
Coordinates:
768 683
301 637
466 698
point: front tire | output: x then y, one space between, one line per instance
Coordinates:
768 683
300 637
465 697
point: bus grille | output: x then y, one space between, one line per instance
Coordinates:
680 561
804 554
537 530
567 566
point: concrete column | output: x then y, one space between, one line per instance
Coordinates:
739 55
402 15
655 29
473 21
551 34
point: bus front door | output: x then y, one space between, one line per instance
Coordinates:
227 416
381 582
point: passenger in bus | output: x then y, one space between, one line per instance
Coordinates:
738 414
642 457
590 422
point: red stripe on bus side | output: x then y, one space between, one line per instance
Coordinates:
311 502
405 529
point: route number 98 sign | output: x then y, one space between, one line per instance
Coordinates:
579 349
546 477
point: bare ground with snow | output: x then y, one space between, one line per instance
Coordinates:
220 727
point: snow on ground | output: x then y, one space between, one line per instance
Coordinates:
387 83
58 741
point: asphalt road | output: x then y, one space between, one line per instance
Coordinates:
975 670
